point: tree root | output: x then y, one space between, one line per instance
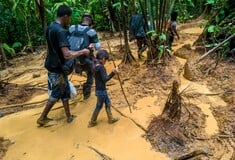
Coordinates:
137 124
104 156
195 153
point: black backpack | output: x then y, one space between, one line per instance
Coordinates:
79 39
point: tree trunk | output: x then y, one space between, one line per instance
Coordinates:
41 9
128 57
111 17
4 57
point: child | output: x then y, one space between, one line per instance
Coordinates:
100 90
171 29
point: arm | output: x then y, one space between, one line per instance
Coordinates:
175 31
68 54
64 46
94 40
104 75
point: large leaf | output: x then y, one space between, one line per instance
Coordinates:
211 28
161 51
162 37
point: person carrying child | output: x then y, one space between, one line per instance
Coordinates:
88 39
101 78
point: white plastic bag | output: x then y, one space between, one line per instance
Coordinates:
73 91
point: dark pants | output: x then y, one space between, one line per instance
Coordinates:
86 64
102 97
141 42
170 40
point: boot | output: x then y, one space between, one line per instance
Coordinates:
111 120
93 122
43 119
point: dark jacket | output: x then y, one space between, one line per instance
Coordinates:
101 77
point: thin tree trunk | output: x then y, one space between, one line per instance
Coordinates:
111 17
4 57
41 9
128 57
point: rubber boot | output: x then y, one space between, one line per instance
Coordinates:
70 117
93 122
43 119
111 120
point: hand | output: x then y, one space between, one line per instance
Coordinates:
92 45
116 70
85 51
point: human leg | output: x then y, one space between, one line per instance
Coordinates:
88 84
70 117
43 119
96 112
111 119
170 40
53 81
142 46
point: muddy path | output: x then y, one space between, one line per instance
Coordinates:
147 89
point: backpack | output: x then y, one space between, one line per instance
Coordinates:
79 39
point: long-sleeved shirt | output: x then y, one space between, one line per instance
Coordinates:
101 77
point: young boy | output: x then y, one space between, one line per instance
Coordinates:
171 29
100 90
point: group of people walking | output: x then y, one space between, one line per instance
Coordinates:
59 50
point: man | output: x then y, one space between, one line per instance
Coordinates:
58 52
171 29
85 63
137 31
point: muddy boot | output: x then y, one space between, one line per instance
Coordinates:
93 122
43 119
70 117
111 120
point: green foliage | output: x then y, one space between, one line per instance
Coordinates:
220 25
162 37
16 45
210 2
9 50
186 10
161 51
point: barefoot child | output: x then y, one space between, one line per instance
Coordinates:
101 78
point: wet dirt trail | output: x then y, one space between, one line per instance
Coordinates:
120 141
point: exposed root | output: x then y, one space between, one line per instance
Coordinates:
137 124
102 155
195 153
